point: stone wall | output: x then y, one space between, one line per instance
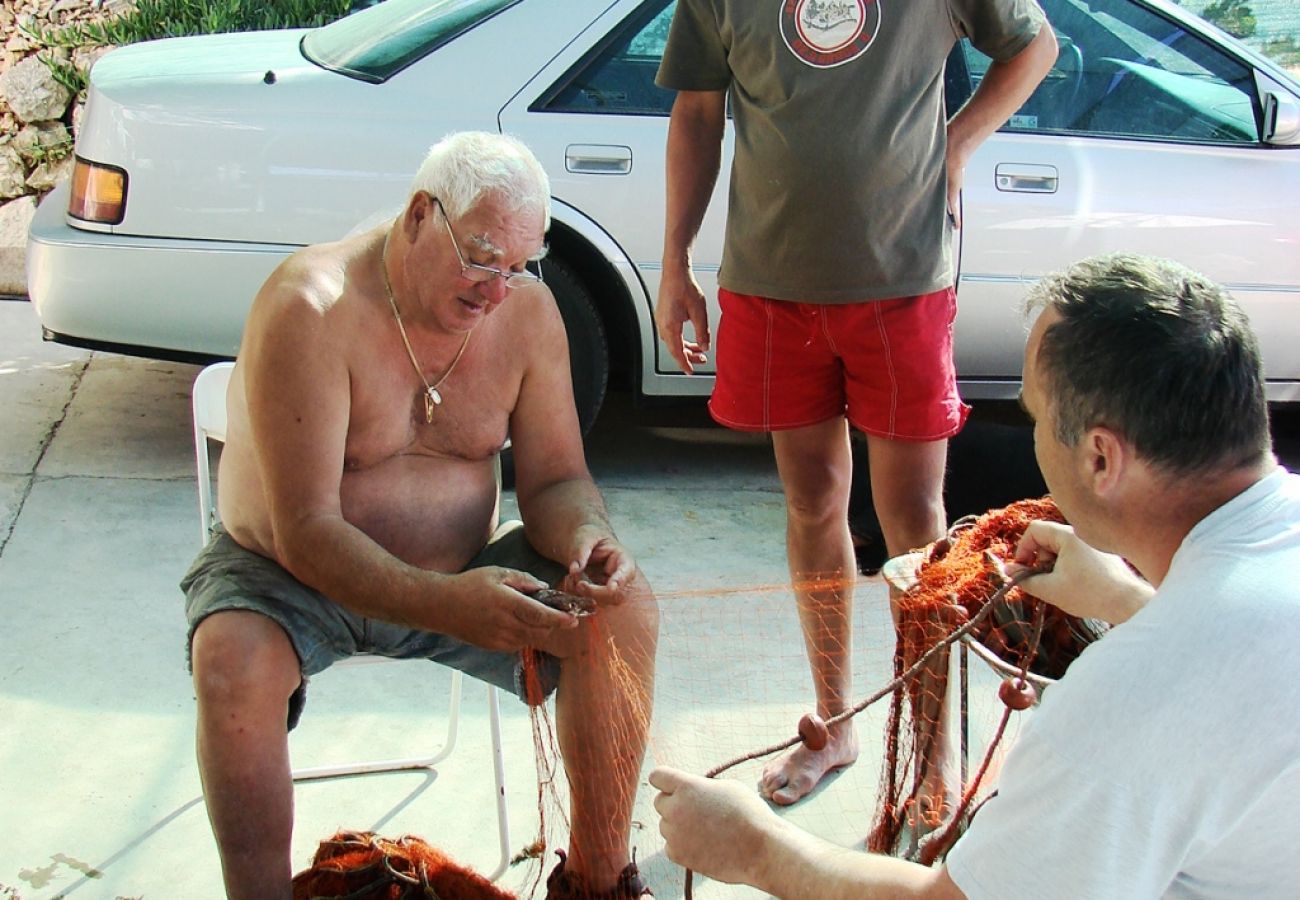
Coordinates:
38 114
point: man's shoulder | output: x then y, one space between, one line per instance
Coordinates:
308 283
531 313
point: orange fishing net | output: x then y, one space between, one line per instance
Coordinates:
365 866
362 865
957 580
732 678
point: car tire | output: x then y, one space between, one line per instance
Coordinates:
588 350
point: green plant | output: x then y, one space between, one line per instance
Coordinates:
50 153
66 74
1233 16
152 19
1285 51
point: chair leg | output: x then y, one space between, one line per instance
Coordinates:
499 771
396 765
427 762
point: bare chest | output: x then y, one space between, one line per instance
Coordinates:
390 415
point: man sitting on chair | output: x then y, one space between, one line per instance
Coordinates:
377 382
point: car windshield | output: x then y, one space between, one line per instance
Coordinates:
376 43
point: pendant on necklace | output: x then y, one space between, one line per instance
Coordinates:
431 399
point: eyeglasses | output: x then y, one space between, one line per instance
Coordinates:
482 274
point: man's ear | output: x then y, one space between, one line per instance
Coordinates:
419 212
1106 458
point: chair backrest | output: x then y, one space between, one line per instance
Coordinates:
209 403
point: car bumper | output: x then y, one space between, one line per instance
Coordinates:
150 296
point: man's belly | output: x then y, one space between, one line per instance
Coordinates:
434 512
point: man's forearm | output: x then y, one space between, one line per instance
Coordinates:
694 157
1004 89
553 516
342 562
798 864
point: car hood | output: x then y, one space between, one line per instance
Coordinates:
240 138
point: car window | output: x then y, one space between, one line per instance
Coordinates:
618 76
376 43
1125 72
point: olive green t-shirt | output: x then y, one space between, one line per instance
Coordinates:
838 186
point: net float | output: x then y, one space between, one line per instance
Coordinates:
813 732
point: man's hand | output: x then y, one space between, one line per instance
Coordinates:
722 829
956 166
717 828
487 608
1005 86
681 301
600 569
1083 581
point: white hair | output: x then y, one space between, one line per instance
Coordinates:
466 166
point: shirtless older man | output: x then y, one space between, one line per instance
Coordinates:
377 382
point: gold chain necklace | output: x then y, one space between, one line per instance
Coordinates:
432 397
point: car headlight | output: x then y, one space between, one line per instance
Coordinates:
98 193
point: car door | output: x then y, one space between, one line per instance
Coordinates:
599 124
1145 137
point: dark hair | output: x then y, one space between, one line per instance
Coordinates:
1159 354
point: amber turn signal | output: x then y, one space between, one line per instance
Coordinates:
98 193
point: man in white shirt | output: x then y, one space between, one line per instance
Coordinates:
1167 762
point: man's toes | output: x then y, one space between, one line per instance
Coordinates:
771 782
787 795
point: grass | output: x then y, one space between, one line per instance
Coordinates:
154 19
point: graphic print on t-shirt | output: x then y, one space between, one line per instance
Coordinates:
829 33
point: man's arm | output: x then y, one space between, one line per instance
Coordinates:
722 829
694 157
564 515
1002 91
298 393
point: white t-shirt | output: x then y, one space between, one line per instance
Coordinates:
1167 762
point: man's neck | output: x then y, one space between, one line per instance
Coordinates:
1174 505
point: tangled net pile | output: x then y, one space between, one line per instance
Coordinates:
361 864
955 582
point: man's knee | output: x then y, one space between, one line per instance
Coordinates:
242 657
817 491
827 504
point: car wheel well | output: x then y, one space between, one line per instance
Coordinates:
611 300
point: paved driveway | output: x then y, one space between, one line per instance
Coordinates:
99 796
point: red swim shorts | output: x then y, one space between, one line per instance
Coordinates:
885 364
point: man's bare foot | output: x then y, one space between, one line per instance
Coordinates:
793 774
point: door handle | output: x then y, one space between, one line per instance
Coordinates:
1026 178
598 159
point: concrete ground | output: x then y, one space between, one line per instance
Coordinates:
99 794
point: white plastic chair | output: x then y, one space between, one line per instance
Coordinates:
209 404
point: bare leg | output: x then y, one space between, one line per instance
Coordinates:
602 712
244 672
907 487
816 468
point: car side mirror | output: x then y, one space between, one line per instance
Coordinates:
1281 119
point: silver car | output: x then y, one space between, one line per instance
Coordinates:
203 161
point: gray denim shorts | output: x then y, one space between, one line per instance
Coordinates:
226 576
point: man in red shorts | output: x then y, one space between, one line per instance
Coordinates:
836 277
